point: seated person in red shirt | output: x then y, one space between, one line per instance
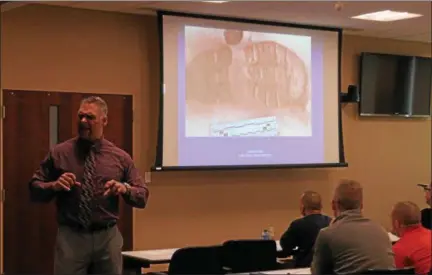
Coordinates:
414 246
299 239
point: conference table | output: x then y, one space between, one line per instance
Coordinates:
135 260
304 271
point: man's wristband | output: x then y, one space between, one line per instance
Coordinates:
128 188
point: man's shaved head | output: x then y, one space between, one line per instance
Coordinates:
406 213
311 201
348 195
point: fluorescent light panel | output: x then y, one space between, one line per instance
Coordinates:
215 2
386 16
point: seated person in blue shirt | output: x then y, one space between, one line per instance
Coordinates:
299 239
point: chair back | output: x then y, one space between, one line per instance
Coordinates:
250 255
196 260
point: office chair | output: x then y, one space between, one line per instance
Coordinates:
196 260
250 255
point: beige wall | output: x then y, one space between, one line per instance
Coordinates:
60 49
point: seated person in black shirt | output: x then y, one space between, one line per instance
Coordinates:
426 214
299 239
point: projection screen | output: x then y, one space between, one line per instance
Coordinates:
241 93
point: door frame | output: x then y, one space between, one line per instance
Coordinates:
1 181
128 236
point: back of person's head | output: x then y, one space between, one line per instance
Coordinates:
405 214
348 196
311 201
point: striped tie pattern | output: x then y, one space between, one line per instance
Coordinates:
87 190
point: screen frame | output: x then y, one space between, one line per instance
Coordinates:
361 113
158 164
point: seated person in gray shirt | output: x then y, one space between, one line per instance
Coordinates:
352 243
299 239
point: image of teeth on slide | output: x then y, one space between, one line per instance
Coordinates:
248 83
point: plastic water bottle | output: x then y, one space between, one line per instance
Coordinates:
265 235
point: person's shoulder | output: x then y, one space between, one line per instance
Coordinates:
374 231
426 211
369 225
300 222
397 247
321 219
325 234
334 227
331 234
329 229
63 147
426 218
327 218
110 147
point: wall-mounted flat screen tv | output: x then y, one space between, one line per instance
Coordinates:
395 85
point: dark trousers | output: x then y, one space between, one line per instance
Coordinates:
83 253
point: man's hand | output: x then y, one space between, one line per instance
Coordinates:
65 182
115 188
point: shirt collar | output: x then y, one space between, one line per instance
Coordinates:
97 144
410 229
349 214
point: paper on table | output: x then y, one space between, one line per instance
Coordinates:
393 238
278 246
152 255
303 271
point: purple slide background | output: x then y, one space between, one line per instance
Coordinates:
207 151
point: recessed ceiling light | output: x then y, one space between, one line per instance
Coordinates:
215 2
386 16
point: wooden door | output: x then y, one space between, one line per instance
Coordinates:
34 121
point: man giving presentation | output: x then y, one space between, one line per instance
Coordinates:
87 175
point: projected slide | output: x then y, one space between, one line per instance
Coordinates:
240 94
236 77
